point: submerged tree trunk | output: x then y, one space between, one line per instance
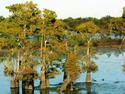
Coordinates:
66 53
88 77
88 62
27 91
44 81
14 82
17 83
47 82
64 85
71 86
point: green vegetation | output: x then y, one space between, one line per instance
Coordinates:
30 37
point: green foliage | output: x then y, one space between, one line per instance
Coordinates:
9 27
2 18
8 71
123 15
87 30
92 67
72 66
26 72
49 17
105 23
87 27
73 22
30 34
26 17
118 26
9 67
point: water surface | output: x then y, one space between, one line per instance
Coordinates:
109 79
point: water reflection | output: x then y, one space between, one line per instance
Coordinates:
15 91
108 80
85 87
44 91
27 91
88 88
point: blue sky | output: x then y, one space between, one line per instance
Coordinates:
74 8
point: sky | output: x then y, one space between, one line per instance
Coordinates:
74 8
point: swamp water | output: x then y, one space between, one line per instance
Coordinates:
109 79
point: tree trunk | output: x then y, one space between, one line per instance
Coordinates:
18 61
47 82
65 76
14 82
88 62
28 85
43 79
17 83
27 91
88 77
71 86
64 85
88 47
66 51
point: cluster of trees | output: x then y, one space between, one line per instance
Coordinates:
32 38
110 26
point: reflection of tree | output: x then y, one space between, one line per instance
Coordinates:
44 91
88 88
24 91
15 91
110 51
